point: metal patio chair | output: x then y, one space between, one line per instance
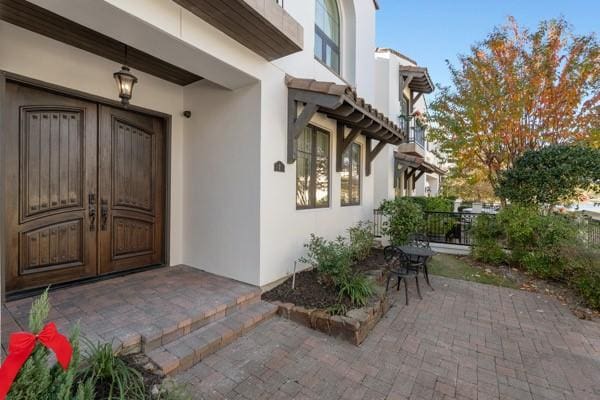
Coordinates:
399 266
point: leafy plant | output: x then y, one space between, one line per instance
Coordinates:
403 218
361 240
333 261
107 370
584 273
358 288
40 379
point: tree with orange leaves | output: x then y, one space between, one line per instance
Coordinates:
517 91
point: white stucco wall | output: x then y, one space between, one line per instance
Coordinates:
230 212
29 54
221 192
387 99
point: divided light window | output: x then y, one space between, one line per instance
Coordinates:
351 175
327 34
312 169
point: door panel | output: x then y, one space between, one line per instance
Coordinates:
51 186
131 185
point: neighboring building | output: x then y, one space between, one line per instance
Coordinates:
250 127
411 168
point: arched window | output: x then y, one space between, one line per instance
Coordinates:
327 34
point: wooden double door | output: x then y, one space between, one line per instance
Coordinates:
84 188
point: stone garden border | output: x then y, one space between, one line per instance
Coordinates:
353 327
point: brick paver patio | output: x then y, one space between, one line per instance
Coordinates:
155 305
463 341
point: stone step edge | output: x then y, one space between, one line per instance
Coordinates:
190 349
155 336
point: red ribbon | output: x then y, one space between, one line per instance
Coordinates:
20 346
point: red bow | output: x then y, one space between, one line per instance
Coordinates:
20 346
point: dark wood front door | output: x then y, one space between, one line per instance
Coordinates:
84 189
130 178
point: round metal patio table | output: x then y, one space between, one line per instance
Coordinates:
420 253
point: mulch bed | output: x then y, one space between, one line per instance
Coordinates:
310 293
147 369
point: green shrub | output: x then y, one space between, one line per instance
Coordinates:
361 240
583 272
403 218
441 204
333 260
487 238
40 379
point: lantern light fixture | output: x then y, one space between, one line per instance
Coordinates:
125 81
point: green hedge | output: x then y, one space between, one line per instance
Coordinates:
442 204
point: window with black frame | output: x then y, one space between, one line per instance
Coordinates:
327 34
351 175
312 169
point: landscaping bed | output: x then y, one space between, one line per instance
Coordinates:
309 290
316 302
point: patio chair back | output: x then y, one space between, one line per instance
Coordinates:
418 240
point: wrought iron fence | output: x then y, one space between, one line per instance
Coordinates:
591 231
440 227
456 227
449 227
378 223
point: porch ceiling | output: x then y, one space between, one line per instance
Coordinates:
418 163
418 78
262 26
39 20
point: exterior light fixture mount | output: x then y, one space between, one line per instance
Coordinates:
125 81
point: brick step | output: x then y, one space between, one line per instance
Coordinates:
190 349
166 331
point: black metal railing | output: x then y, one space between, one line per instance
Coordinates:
456 227
449 227
378 223
591 232
416 133
440 227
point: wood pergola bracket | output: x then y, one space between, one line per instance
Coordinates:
371 154
418 176
342 143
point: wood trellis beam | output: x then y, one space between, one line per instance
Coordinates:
342 143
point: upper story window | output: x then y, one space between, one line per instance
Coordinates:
312 169
327 34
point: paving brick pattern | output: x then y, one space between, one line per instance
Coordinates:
152 307
463 341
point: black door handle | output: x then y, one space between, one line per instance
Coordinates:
92 210
104 213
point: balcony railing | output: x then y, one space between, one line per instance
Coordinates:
416 133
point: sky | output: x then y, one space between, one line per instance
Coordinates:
431 31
